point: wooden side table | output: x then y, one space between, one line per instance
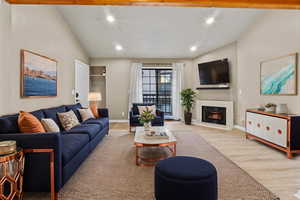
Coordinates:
54 195
11 175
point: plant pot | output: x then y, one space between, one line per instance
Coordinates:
188 118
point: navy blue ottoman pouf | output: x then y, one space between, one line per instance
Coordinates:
185 178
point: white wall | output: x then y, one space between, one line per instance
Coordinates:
4 53
228 51
40 29
118 80
276 34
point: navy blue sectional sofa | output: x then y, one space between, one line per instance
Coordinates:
71 147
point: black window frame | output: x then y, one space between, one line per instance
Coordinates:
162 95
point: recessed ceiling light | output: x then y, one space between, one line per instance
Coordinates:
110 18
119 47
210 20
193 48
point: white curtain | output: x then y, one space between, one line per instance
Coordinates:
136 84
176 88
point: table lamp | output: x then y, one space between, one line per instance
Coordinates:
94 97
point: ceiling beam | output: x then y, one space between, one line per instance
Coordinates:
265 4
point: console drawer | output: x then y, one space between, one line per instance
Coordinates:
272 129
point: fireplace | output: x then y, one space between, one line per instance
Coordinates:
213 114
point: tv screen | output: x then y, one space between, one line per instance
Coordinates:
215 72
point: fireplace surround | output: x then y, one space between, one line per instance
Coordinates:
215 114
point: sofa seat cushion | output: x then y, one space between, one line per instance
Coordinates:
72 144
104 121
94 121
90 129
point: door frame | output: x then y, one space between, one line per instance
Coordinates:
81 63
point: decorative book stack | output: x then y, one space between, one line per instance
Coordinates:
157 135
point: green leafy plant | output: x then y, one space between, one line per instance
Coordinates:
146 116
187 99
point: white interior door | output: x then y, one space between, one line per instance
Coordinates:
82 83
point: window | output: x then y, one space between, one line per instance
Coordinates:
157 88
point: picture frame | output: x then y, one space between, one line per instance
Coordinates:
278 76
38 75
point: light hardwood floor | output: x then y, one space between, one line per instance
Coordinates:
267 165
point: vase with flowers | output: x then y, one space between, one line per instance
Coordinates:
146 118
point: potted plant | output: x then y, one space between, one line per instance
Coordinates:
187 101
270 107
146 118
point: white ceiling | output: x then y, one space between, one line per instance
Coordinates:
156 32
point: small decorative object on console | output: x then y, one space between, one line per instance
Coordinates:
7 147
270 107
282 108
261 108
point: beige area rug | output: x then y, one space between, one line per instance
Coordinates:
110 173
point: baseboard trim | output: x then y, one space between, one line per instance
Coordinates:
195 122
118 120
239 127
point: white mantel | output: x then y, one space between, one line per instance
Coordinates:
229 113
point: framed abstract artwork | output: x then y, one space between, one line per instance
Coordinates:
38 75
279 76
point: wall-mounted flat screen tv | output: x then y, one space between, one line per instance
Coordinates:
213 73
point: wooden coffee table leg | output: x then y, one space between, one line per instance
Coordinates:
174 150
137 155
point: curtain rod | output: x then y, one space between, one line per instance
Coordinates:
157 63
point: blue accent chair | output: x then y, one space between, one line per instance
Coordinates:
134 116
71 147
183 177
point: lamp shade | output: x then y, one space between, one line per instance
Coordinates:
95 96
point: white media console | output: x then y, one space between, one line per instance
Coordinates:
276 130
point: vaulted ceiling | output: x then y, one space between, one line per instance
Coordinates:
156 32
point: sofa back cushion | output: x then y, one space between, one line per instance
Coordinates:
50 125
68 120
135 108
52 113
39 114
75 108
9 124
94 110
86 114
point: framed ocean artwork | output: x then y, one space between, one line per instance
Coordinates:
278 76
38 75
